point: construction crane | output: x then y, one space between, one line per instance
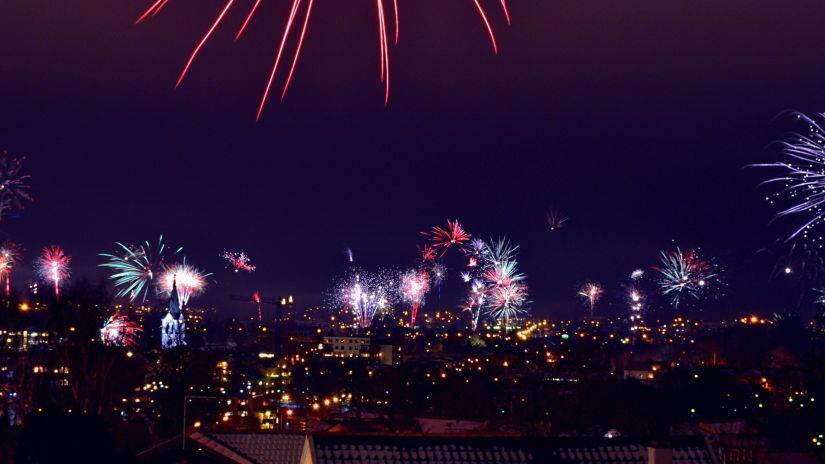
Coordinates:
279 304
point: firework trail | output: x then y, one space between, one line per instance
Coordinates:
591 293
445 238
238 261
476 300
53 266
801 175
134 267
256 298
365 294
118 330
556 219
350 256
10 256
438 271
414 286
190 281
684 273
635 300
298 22
637 274
13 187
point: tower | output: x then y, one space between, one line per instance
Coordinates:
173 326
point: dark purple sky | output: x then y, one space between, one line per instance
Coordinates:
634 117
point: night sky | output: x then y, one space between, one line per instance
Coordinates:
635 118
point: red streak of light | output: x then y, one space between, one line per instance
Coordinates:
248 18
298 49
155 7
397 23
385 52
414 313
295 5
203 41
487 23
157 10
506 12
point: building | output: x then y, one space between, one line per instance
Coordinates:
347 346
279 448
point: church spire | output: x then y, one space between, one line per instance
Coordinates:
174 301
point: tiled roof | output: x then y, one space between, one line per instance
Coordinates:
686 450
264 448
332 449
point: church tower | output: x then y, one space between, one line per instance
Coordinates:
173 326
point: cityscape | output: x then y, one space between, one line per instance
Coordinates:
480 231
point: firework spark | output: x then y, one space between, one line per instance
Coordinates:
637 274
428 253
684 273
499 251
53 266
190 281
14 190
445 238
414 286
134 267
10 256
591 293
365 294
238 261
384 8
556 219
507 301
802 175
504 296
118 330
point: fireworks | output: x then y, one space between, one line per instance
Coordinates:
428 253
13 187
365 294
256 298
683 272
591 293
506 301
239 261
504 293
53 266
637 274
414 286
350 256
118 330
802 175
387 13
476 300
556 219
134 268
190 281
10 256
499 251
443 239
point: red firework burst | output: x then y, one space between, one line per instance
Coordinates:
382 7
453 235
